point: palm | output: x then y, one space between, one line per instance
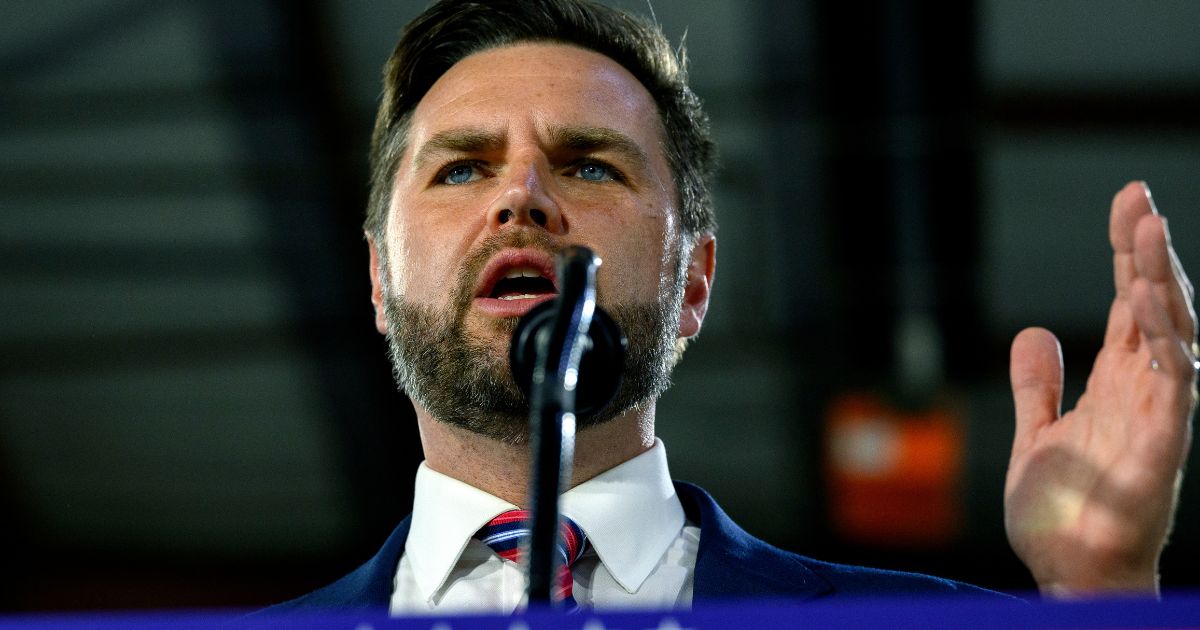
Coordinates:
1090 495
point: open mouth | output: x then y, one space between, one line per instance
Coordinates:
522 283
514 281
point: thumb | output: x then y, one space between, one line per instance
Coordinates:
1036 371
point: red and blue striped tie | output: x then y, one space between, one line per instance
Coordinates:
506 533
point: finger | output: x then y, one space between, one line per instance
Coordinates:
1152 258
1121 331
1128 207
1036 371
1183 282
1176 266
1168 350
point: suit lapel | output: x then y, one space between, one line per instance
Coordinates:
369 586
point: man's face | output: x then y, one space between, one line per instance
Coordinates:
514 153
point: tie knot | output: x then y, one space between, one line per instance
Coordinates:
506 533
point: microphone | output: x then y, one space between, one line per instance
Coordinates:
567 356
604 346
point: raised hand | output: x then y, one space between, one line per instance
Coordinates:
1090 494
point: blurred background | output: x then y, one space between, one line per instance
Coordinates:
195 409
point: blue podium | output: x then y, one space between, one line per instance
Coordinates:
1175 611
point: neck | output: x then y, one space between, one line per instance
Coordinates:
503 470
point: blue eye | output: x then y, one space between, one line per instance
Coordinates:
460 174
594 172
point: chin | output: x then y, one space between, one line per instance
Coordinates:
491 334
491 330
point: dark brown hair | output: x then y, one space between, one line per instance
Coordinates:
453 29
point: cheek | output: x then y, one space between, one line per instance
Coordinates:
399 257
430 248
414 256
638 264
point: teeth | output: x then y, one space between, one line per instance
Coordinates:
522 272
523 296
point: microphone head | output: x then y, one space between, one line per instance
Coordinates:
600 367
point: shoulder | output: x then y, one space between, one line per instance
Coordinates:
859 581
368 586
733 564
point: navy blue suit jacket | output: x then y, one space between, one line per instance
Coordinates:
730 564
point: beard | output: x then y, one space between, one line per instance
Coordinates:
464 381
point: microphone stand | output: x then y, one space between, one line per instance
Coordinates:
559 348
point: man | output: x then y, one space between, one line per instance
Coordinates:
511 129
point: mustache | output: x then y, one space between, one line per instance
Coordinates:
477 259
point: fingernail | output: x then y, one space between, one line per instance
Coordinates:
1149 197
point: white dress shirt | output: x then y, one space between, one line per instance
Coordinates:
642 551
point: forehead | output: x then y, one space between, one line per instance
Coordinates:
545 84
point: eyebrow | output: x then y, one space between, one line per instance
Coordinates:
579 139
588 139
463 140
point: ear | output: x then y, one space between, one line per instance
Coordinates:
699 285
381 323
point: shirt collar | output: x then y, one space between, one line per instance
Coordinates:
630 514
446 514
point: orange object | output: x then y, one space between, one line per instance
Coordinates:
894 476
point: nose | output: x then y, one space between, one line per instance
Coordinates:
526 199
